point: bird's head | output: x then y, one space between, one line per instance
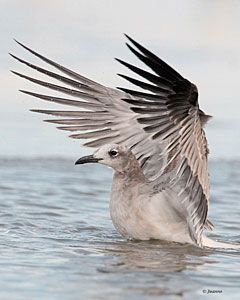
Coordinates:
113 155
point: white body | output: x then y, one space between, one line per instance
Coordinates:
140 209
141 216
138 216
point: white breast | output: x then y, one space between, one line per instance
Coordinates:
137 216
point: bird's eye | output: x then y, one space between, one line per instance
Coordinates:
113 153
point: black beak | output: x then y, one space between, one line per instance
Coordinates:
87 159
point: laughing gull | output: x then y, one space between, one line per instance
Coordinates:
153 139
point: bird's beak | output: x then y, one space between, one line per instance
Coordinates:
87 159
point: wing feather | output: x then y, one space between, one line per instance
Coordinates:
162 125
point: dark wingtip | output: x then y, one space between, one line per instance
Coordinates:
130 47
120 88
121 75
132 41
37 111
128 37
17 74
27 48
25 92
120 61
14 56
18 42
49 121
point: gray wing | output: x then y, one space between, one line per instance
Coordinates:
163 125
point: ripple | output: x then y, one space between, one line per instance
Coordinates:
55 220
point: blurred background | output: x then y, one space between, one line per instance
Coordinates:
198 38
57 240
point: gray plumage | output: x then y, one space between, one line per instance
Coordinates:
161 125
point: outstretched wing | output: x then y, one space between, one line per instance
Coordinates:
163 125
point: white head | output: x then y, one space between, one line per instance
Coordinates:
113 155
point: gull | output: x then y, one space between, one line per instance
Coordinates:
152 136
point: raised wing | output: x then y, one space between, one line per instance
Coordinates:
162 125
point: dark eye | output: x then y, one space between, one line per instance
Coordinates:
113 153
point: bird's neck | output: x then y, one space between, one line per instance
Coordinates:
131 172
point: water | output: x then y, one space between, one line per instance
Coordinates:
57 240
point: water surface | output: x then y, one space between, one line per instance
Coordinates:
57 240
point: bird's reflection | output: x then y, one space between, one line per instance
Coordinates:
150 268
156 266
149 256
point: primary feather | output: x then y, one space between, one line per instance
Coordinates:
162 125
